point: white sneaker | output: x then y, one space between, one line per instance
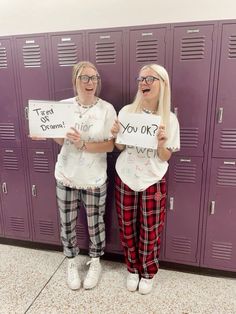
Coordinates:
93 274
73 279
132 281
145 285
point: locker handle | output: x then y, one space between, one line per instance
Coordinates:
220 115
229 163
34 190
26 113
185 160
4 187
212 209
171 203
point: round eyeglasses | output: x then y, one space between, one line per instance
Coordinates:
86 78
148 79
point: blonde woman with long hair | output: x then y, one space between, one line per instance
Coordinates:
140 181
81 172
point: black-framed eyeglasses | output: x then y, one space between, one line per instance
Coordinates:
148 79
87 78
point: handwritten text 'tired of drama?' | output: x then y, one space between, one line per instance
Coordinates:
45 116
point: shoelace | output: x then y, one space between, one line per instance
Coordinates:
94 266
72 266
133 277
147 281
73 271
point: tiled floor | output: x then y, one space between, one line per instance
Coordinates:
33 281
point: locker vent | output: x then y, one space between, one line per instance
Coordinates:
232 47
67 54
192 48
17 224
10 161
3 58
221 250
31 56
147 51
41 164
228 139
46 228
185 173
189 137
106 53
181 245
7 131
226 176
81 231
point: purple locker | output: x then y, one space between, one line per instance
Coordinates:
225 116
82 229
66 50
113 244
43 195
1 220
9 118
146 45
191 73
13 194
183 210
220 240
33 73
105 50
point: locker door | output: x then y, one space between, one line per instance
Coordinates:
182 224
192 63
82 229
225 115
13 194
33 76
147 45
220 240
1 220
66 51
113 243
106 52
9 118
43 195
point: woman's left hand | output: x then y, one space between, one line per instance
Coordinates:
161 136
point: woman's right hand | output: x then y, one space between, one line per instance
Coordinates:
115 128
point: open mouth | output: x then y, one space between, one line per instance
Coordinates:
146 90
89 89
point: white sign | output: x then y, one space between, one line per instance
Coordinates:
138 129
51 118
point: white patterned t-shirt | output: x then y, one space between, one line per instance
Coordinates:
140 167
78 168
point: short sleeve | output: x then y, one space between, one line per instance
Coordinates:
111 116
173 141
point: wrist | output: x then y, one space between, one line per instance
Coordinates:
81 145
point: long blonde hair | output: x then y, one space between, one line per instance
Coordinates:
164 101
77 70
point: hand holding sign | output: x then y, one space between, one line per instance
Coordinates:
50 119
138 130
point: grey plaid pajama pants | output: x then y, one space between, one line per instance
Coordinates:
69 201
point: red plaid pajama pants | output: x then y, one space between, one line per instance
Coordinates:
141 219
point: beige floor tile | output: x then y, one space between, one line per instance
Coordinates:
23 273
31 279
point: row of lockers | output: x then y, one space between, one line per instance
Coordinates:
39 67
201 60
